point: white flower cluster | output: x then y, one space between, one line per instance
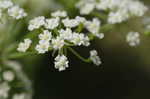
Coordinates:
120 10
23 46
95 58
61 62
13 10
7 80
133 38
60 31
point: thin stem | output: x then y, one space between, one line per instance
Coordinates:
19 55
99 15
76 54
79 28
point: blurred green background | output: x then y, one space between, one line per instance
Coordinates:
124 74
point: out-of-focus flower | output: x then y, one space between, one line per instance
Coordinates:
4 89
13 10
95 58
8 76
59 14
23 46
133 38
16 12
119 10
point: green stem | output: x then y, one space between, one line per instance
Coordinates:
99 15
79 28
80 57
19 55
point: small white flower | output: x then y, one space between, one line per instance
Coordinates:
70 23
23 46
66 34
8 76
58 43
136 8
59 14
95 58
87 9
16 12
86 6
80 39
94 27
36 23
19 96
42 47
4 90
118 17
80 19
133 38
61 62
46 35
52 23
5 4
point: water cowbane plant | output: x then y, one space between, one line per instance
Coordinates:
59 33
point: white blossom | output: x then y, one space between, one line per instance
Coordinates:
61 62
46 35
70 23
86 6
4 4
120 10
80 39
42 47
95 58
133 38
23 46
94 27
57 43
16 12
66 34
52 23
59 14
118 17
8 76
4 90
136 8
36 23
80 19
